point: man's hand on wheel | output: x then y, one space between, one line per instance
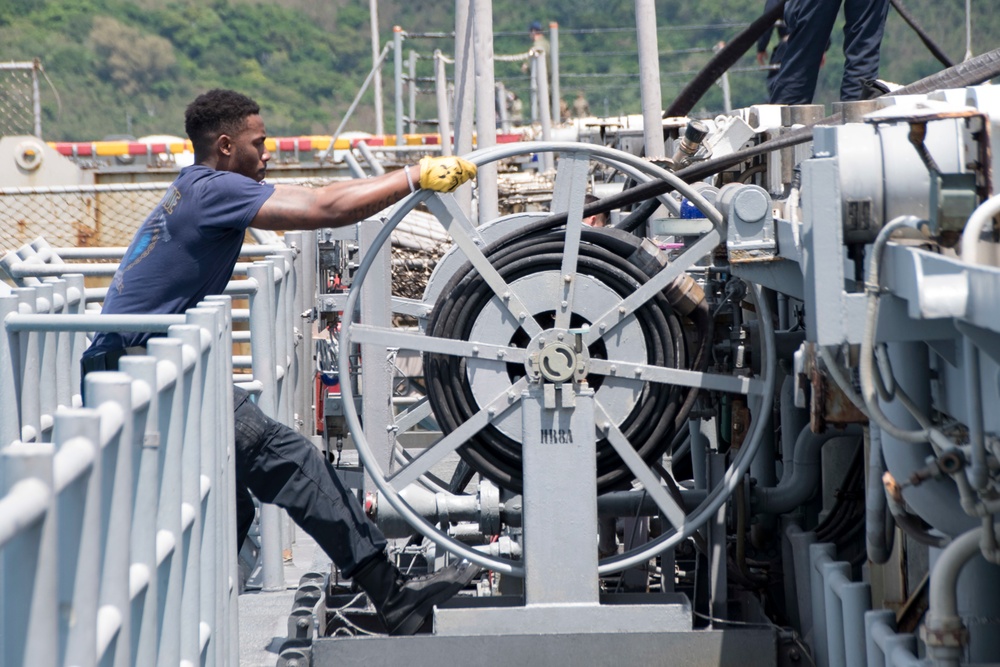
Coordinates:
445 173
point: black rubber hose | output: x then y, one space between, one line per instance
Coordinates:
722 61
935 50
660 409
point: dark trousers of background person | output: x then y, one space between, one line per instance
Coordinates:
280 466
810 23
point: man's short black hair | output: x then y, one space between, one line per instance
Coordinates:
216 112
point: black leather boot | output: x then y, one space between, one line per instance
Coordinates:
403 603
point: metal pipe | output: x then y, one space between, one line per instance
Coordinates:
801 474
411 90
544 113
974 228
978 471
262 349
373 162
649 79
944 629
464 91
503 119
397 59
441 94
879 546
486 118
376 69
554 58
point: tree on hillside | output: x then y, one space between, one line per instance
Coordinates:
132 59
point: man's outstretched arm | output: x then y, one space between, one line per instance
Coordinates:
347 202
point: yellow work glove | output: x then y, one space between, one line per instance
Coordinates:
445 173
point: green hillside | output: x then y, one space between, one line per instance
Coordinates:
130 66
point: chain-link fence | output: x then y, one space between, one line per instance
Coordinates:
102 216
20 105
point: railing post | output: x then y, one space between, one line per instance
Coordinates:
209 318
30 403
193 338
76 305
169 536
146 490
77 483
229 652
10 397
111 395
64 359
28 619
262 346
46 379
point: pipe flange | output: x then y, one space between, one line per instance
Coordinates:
946 634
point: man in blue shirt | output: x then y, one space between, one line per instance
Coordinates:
187 248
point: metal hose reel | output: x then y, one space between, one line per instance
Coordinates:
555 306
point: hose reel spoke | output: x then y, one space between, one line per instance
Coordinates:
394 338
731 384
468 246
671 510
439 450
612 318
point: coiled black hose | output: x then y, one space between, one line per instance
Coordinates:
660 409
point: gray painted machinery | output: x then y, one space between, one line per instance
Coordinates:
747 423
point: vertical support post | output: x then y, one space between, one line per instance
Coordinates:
227 497
146 489
191 503
208 318
29 391
504 119
544 113
441 93
77 483
114 390
819 554
77 305
397 60
559 439
64 359
376 49
169 535
47 367
533 80
36 97
10 397
717 542
649 78
411 90
464 91
486 119
30 600
376 369
554 59
263 353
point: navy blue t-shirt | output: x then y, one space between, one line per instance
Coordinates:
184 251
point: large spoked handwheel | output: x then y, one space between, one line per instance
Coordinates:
515 303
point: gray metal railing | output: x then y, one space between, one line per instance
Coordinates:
117 531
113 534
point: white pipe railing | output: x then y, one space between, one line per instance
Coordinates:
117 531
109 540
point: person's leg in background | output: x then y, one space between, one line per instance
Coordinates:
864 24
810 23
